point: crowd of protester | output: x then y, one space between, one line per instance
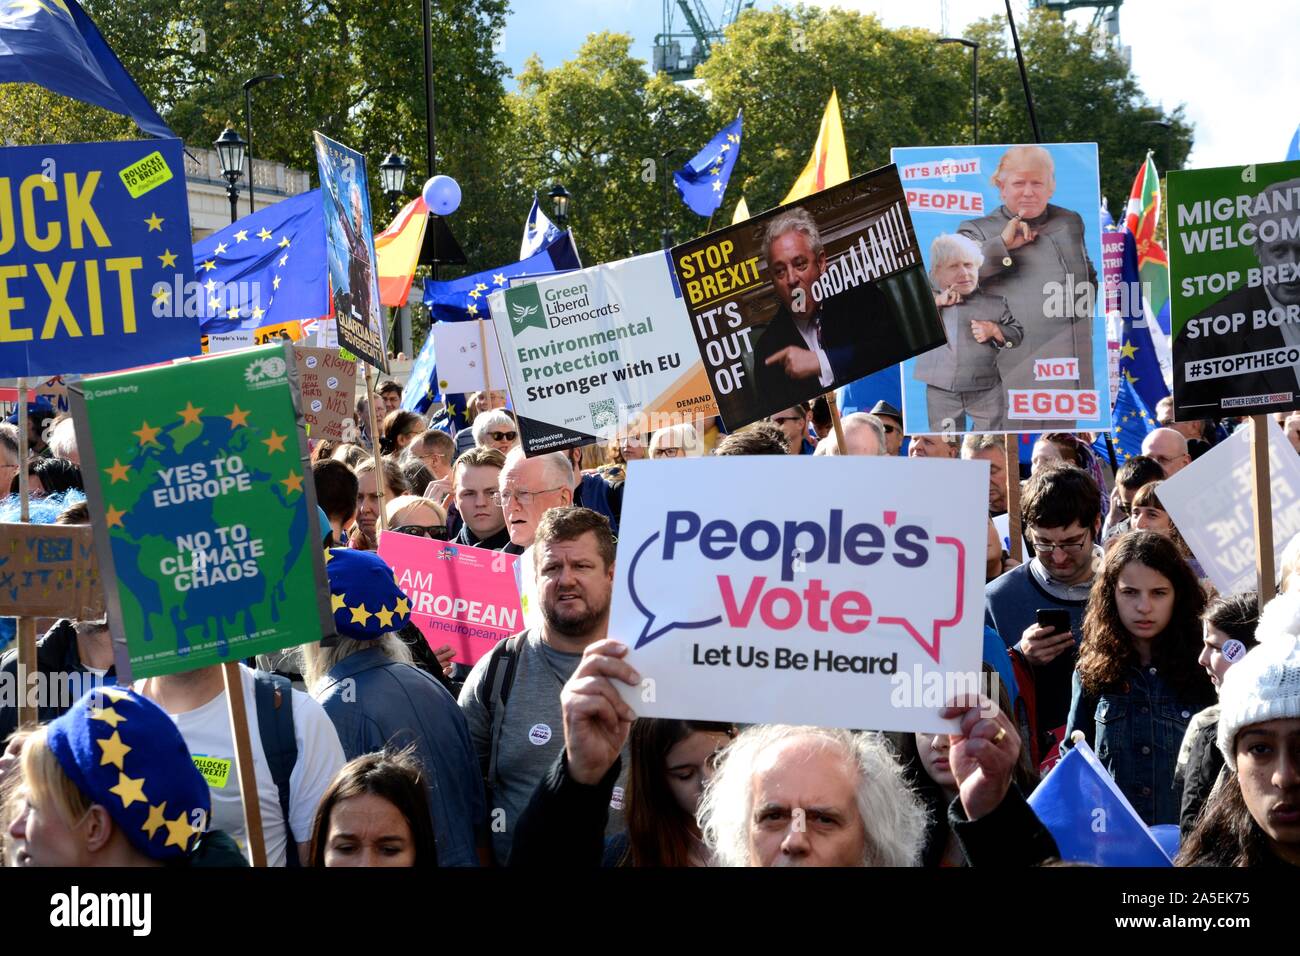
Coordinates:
375 749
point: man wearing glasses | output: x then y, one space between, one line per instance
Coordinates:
1061 510
1169 448
529 488
793 422
476 478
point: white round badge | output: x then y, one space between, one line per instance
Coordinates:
311 361
315 405
539 735
331 382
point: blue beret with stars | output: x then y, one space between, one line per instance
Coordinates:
364 596
125 754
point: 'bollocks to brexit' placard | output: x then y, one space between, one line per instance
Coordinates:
1235 289
864 611
204 511
93 238
600 353
1010 236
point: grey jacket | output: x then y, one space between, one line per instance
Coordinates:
1057 255
964 365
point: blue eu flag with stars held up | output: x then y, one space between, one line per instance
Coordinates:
703 181
1132 419
266 268
53 44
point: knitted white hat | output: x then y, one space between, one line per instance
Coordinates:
1265 684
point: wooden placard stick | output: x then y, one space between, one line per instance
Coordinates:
244 771
1262 507
1013 497
371 398
27 665
835 422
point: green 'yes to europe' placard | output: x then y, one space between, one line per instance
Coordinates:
205 514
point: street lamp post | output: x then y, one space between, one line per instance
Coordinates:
560 200
974 81
392 176
248 124
230 150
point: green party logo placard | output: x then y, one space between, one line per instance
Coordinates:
205 516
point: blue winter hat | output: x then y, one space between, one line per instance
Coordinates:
126 755
364 596
41 406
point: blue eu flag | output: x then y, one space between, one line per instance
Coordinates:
266 268
1089 817
459 300
703 181
53 44
1132 419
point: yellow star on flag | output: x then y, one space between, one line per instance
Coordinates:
115 694
155 820
482 287
190 414
210 285
384 616
129 790
283 259
154 222
274 443
168 259
237 417
113 750
162 293
221 248
258 312
403 606
284 243
474 293
241 236
726 146
1127 350
264 234
179 832
292 483
499 278
119 472
209 265
329 556
359 614
146 434
337 603
472 309
108 715
113 518
276 283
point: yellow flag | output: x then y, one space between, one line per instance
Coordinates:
829 164
741 213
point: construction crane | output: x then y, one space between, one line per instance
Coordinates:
701 31
1105 12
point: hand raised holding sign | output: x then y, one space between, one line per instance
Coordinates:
597 720
983 755
1017 233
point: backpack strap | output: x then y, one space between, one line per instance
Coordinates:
499 678
279 741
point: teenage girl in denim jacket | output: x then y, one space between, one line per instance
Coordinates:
1137 683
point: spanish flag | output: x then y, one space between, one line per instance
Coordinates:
829 164
397 250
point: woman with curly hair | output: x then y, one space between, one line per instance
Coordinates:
1137 684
